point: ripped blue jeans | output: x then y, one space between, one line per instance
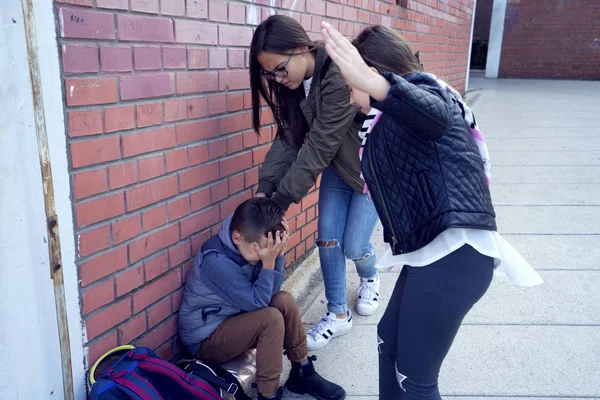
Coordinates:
422 318
346 222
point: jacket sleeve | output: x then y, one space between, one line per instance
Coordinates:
277 161
327 132
226 278
422 109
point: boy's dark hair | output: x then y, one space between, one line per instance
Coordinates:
256 217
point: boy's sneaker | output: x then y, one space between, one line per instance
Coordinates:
368 296
305 380
329 327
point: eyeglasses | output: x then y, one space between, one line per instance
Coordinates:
279 72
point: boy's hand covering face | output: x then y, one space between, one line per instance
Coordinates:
274 246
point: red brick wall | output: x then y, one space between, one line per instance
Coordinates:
159 137
556 39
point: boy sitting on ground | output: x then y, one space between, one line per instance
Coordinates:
232 301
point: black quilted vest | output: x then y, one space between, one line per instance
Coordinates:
420 185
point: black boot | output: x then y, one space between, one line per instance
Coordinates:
276 397
305 380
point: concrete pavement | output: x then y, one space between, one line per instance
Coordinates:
534 343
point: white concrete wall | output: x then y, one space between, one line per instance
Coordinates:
495 44
30 366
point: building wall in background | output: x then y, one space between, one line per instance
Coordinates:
160 145
555 39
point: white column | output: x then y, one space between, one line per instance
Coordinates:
470 46
495 43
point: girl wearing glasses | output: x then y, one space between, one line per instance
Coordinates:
317 132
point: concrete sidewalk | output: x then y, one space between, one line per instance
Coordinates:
535 343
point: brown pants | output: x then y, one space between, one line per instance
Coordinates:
271 329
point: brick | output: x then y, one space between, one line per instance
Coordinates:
177 296
116 4
198 154
228 206
173 57
151 167
217 104
247 100
197 9
335 10
148 114
251 177
253 15
103 265
193 32
159 312
154 218
308 229
219 191
217 148
237 163
197 241
200 199
151 192
197 58
310 214
234 144
197 107
85 3
95 151
85 92
178 208
101 209
350 13
197 82
116 59
195 131
126 228
236 184
179 254
119 119
234 80
100 347
148 141
160 334
89 183
235 36
108 318
77 23
93 241
144 29
97 296
85 122
310 200
199 222
153 243
237 58
176 159
172 7
237 13
122 175
156 290
234 123
258 154
198 176
250 139
146 86
175 110
145 6
156 266
129 280
79 59
217 11
132 329
147 58
217 58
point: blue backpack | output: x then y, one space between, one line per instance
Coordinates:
137 373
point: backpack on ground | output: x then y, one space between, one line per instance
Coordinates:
137 373
224 381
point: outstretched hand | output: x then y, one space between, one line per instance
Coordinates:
352 66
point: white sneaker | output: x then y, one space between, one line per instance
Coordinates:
368 296
329 327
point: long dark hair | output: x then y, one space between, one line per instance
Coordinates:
398 58
278 34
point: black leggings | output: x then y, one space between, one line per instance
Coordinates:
422 319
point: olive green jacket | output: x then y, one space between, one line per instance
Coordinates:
332 139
